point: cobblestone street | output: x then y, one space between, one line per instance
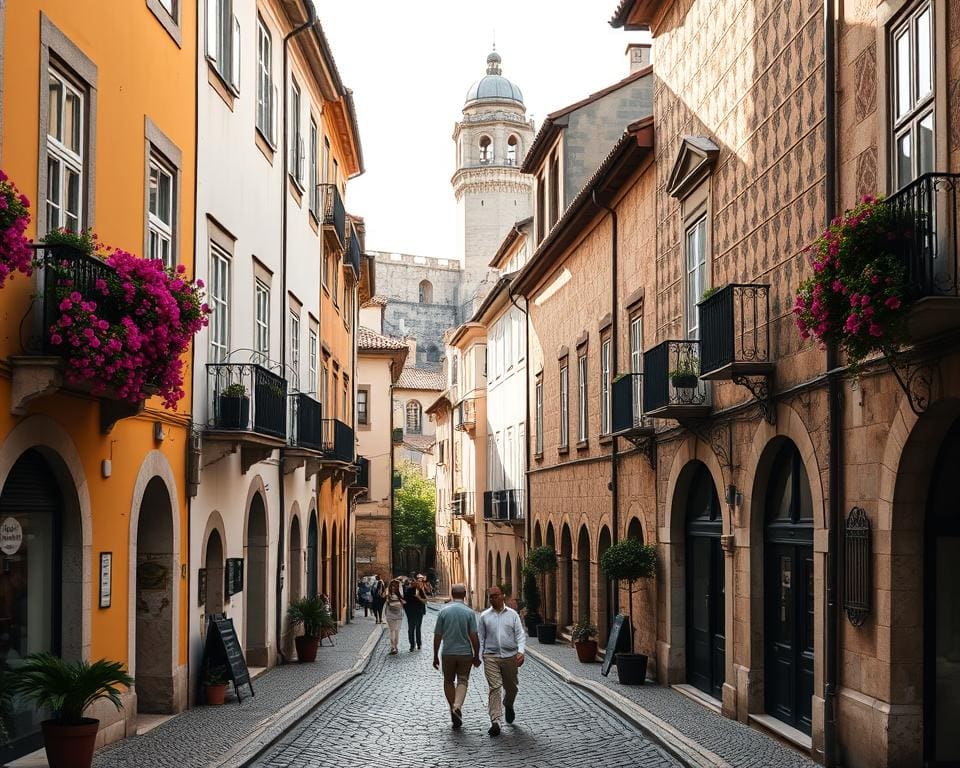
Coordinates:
395 714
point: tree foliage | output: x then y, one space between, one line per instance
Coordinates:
413 509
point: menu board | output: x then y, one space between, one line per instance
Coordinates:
223 649
618 641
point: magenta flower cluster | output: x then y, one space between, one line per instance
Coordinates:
15 252
127 339
858 295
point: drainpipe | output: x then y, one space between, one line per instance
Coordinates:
835 406
308 24
350 554
526 411
614 330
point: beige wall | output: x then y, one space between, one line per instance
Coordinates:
374 440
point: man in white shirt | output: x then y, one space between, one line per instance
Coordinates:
502 644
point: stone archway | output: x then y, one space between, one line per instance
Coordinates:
295 562
605 590
565 574
550 580
256 556
584 577
213 563
334 594
313 555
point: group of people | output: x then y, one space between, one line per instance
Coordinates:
391 602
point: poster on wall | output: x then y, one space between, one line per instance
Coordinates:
201 587
106 577
233 576
11 536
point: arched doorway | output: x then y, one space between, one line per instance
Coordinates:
605 610
324 555
312 555
499 579
334 594
566 576
40 580
941 609
213 572
295 566
788 597
489 580
550 580
255 593
508 577
705 586
156 580
583 574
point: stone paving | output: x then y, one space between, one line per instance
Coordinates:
202 735
738 744
395 715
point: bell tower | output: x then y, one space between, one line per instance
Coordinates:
491 141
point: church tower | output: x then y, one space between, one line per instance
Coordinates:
491 141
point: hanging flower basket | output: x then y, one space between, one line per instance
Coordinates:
859 295
15 252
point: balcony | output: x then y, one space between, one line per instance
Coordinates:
465 415
247 402
363 473
463 506
336 441
504 506
334 218
351 256
735 332
628 415
453 541
397 435
931 207
305 418
672 388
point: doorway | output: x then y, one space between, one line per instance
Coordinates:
312 556
583 574
255 605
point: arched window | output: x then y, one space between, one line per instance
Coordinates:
414 417
513 149
486 150
426 292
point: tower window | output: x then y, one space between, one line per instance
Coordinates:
512 145
486 150
426 292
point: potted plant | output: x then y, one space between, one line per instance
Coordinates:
543 560
66 244
215 683
531 601
686 374
709 292
312 615
630 560
583 635
234 407
68 688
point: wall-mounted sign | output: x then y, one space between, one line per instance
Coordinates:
233 581
106 578
11 536
201 587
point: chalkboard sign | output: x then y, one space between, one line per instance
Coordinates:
233 576
222 649
617 642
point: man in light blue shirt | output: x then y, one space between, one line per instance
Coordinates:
502 644
456 628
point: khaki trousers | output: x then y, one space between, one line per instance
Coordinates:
456 671
501 675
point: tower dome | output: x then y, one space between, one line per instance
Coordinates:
494 86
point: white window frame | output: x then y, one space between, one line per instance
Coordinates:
223 42
695 255
538 398
363 414
323 389
218 297
413 418
636 365
312 361
161 233
921 106
564 406
346 399
261 321
266 122
295 345
582 401
314 170
61 159
605 387
296 137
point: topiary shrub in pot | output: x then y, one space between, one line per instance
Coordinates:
531 601
68 688
630 560
543 560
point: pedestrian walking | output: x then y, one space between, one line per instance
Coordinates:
502 645
393 610
415 608
456 631
363 596
377 594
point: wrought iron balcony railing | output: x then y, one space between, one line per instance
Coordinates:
672 387
628 415
465 415
363 472
735 332
334 214
246 397
453 541
503 506
336 440
463 505
305 417
351 255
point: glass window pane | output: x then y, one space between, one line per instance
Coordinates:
54 124
902 66
925 143
165 253
72 122
53 192
72 185
154 183
165 198
924 54
904 160
153 246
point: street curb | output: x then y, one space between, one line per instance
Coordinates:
659 731
271 729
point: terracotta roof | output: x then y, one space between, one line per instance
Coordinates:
420 378
367 339
375 301
422 443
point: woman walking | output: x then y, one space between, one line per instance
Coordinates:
377 593
393 611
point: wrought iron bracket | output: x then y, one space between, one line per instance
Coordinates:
915 378
647 445
759 387
717 434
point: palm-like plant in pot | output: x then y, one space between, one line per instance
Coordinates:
584 634
68 688
630 560
312 615
543 560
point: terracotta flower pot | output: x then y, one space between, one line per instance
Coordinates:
306 647
69 746
216 693
586 651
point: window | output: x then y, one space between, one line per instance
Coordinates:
636 365
441 453
486 150
326 269
582 397
564 407
66 175
325 160
539 417
605 387
512 143
312 362
413 418
336 279
913 97
160 214
541 212
261 321
295 346
508 341
323 389
426 292
296 140
554 190
347 304
363 418
218 297
346 398
265 89
696 246
170 6
223 41
314 170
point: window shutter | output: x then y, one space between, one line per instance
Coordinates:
235 56
212 27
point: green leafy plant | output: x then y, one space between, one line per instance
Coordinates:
687 368
234 390
414 511
629 560
709 292
531 593
541 561
6 682
312 615
583 630
69 687
85 240
505 589
214 674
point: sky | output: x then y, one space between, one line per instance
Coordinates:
410 64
